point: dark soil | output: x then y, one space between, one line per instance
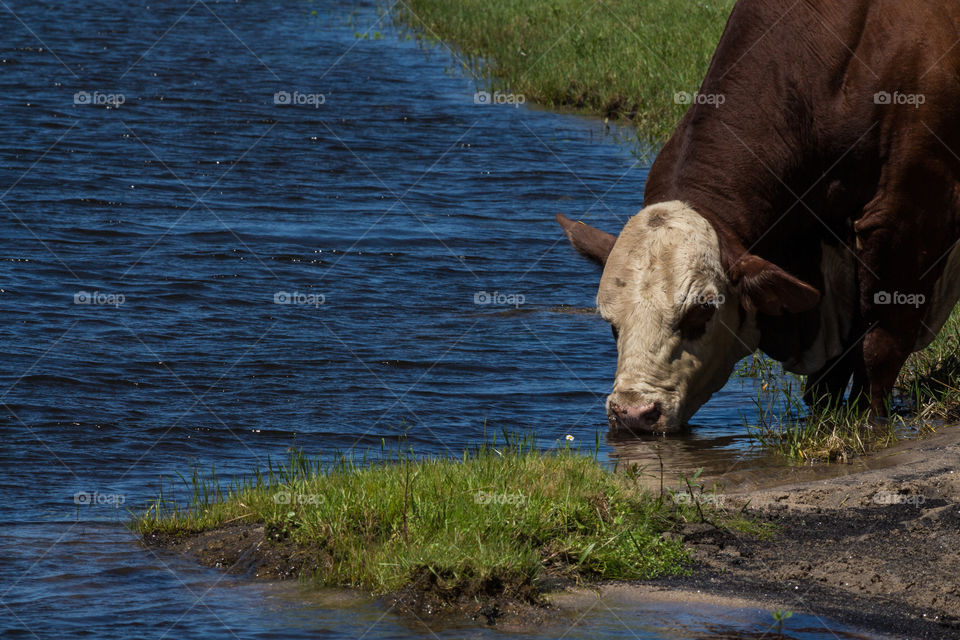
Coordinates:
252 550
244 549
494 600
878 549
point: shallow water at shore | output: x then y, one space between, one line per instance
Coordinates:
100 582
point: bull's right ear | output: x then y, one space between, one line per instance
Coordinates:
588 241
768 289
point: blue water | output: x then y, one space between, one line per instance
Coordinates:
159 209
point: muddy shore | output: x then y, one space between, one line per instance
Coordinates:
878 549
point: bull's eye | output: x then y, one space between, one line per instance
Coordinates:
693 324
616 332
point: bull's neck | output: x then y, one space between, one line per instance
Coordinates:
738 169
739 205
735 154
760 135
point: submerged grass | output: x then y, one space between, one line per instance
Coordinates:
509 512
927 394
627 59
826 432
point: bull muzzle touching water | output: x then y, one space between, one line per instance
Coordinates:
680 319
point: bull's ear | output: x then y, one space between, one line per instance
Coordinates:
766 288
590 242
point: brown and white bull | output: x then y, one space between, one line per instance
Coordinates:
813 212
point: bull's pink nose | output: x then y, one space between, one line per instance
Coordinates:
638 417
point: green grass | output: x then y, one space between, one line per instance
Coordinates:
930 380
506 511
828 432
620 59
927 395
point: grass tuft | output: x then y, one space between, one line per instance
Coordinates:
927 395
508 513
930 379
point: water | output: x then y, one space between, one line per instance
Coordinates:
159 208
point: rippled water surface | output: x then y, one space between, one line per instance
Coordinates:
192 273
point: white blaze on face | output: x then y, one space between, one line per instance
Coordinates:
674 313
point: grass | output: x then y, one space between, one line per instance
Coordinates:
507 512
828 432
930 379
620 59
927 394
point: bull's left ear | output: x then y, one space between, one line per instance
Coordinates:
588 241
766 288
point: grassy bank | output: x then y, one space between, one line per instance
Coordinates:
625 59
506 515
927 394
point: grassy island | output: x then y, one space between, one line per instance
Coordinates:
508 515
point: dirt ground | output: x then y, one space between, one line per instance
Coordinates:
878 548
875 545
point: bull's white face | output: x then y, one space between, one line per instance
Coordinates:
677 320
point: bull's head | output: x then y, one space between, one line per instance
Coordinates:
680 319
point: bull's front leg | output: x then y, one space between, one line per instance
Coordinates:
893 304
825 388
885 349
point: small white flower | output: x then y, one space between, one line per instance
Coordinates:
569 437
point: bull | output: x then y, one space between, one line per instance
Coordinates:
812 213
